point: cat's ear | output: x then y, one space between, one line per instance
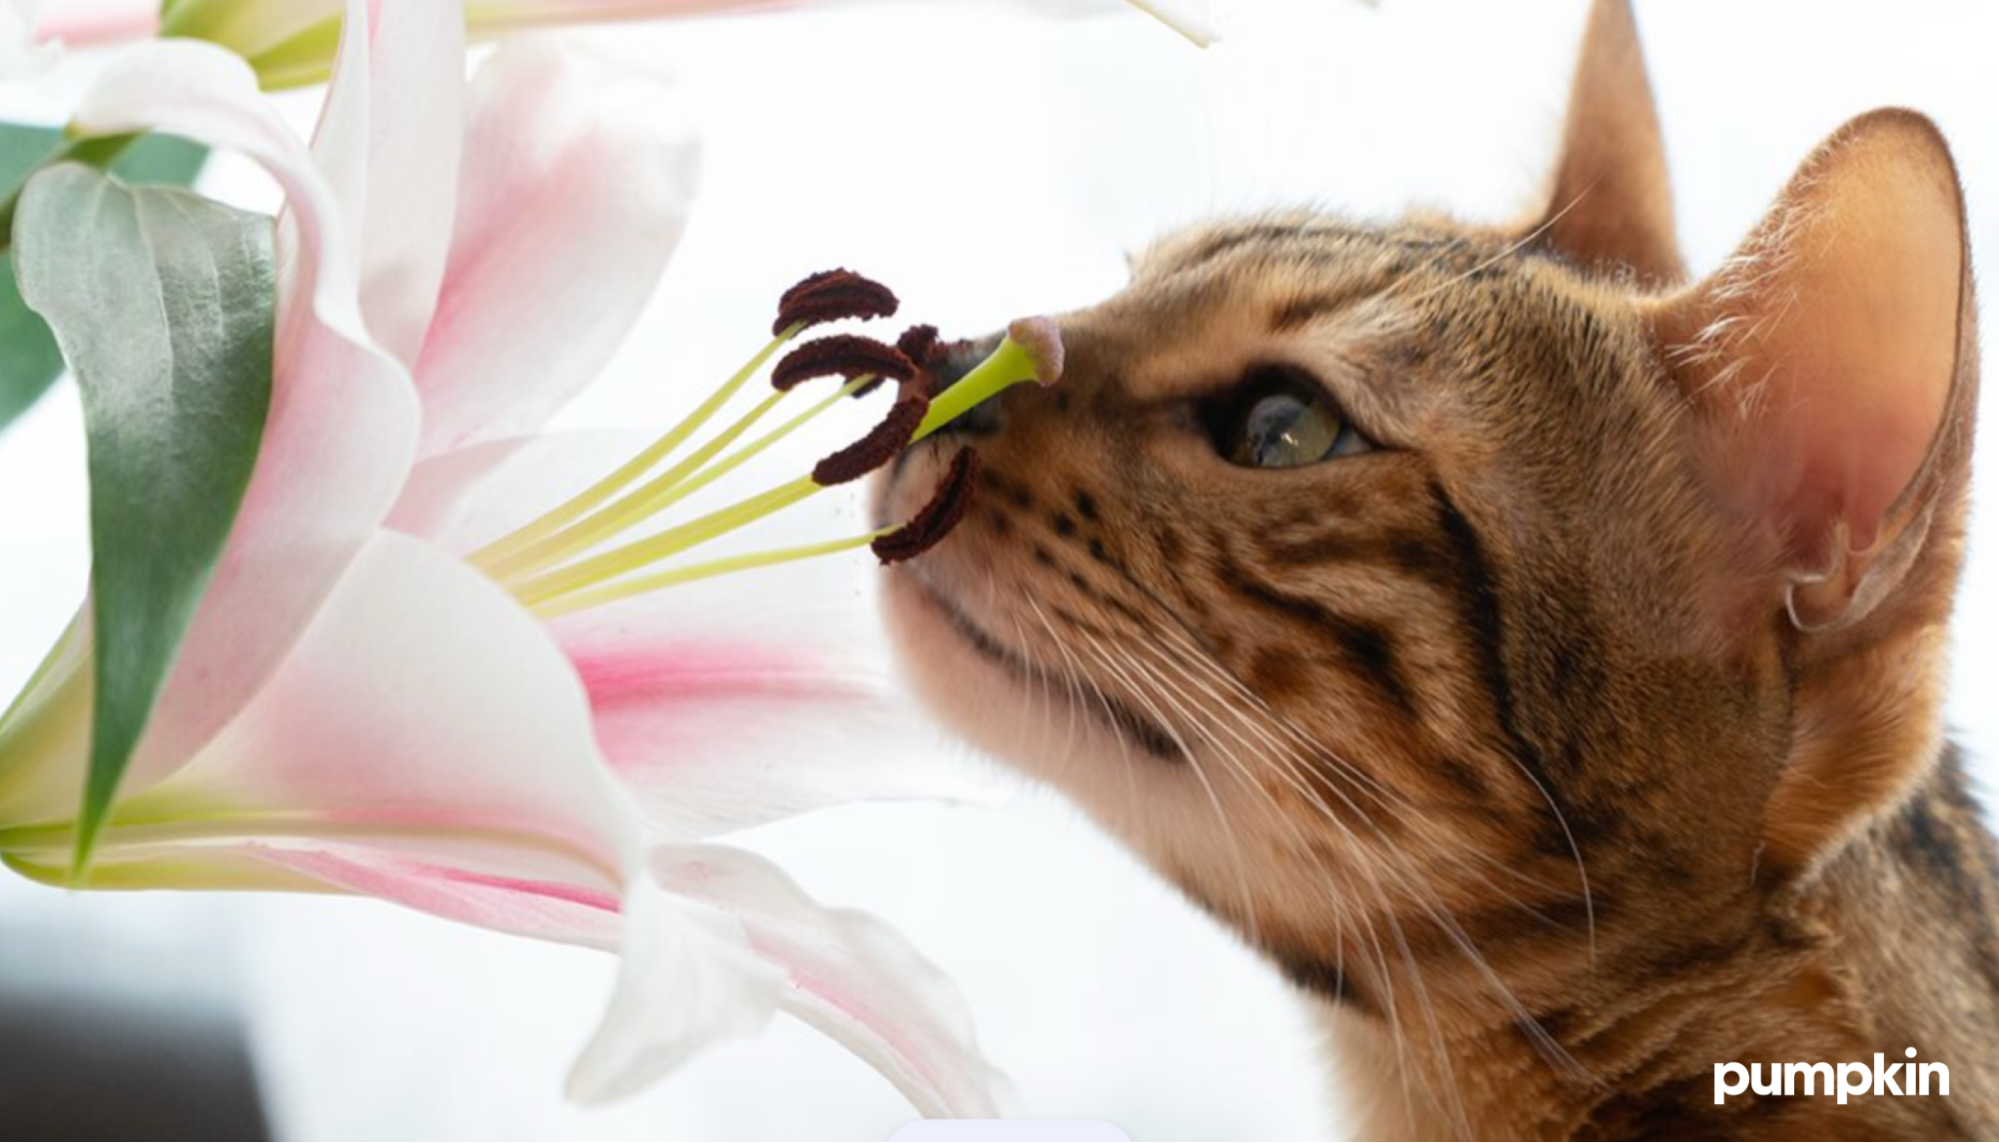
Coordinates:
1610 202
1831 364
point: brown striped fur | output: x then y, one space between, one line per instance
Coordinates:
1588 732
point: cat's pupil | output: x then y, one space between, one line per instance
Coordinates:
1283 430
1278 422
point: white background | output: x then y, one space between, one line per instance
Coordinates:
987 164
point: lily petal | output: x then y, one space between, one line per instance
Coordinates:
852 977
426 743
577 183
722 704
342 424
424 713
687 979
395 142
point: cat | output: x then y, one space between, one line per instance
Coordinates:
1538 656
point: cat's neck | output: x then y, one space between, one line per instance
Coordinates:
1890 947
1881 970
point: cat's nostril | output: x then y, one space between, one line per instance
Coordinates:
981 420
951 361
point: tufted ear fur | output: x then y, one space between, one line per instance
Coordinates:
1829 362
1610 203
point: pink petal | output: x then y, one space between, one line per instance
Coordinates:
852 977
729 703
724 703
422 711
342 424
574 194
394 141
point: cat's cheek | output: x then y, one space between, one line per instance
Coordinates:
978 699
972 696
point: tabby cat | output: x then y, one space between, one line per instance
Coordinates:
1540 658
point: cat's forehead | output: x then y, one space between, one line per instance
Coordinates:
1316 289
1309 244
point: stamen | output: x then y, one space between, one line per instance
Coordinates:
846 355
934 520
879 447
831 295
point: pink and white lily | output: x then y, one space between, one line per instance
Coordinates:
291 42
358 708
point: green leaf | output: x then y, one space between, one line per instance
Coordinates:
164 304
29 361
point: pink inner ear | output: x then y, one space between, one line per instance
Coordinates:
1836 336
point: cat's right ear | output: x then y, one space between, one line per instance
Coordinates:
1610 204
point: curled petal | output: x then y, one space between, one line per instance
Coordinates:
689 976
852 977
342 424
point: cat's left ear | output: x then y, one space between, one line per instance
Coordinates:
1831 366
1611 204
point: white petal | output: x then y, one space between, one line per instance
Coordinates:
425 712
852 977
687 977
577 181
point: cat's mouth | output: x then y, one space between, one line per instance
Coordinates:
1114 715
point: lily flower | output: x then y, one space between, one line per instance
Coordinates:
292 42
435 664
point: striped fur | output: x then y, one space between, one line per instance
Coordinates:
1475 736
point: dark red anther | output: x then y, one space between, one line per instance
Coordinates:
877 448
920 344
831 295
934 521
845 355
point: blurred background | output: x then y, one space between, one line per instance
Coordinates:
988 162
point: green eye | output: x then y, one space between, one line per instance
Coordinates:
1277 419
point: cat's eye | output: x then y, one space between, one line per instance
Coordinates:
1279 419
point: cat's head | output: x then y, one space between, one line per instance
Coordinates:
1403 589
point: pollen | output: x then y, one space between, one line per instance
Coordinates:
879 447
832 295
934 520
844 355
